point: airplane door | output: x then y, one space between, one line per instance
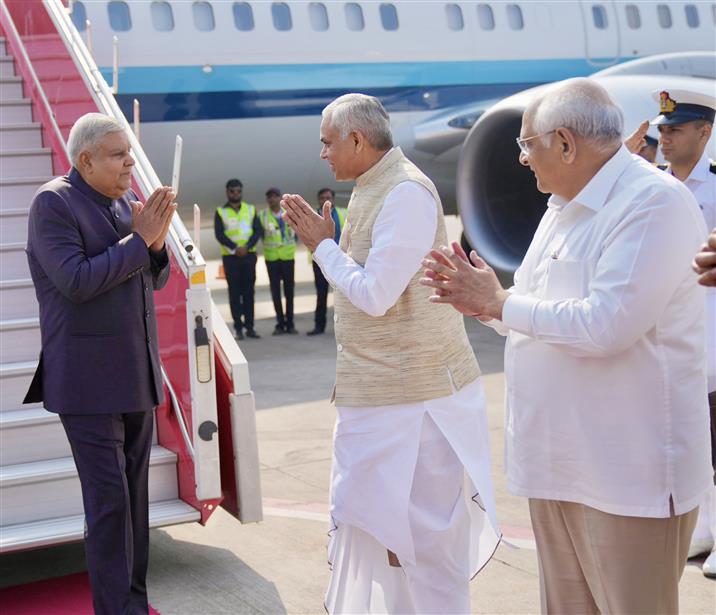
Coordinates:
601 32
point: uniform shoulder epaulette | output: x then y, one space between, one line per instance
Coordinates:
712 167
662 166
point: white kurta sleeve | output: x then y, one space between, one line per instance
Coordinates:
403 234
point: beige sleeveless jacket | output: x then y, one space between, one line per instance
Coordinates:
411 352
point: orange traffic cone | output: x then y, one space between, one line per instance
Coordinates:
221 275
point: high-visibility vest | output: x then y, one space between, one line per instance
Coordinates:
276 247
238 225
342 213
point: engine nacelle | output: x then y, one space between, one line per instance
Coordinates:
497 197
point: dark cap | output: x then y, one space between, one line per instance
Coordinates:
273 190
682 106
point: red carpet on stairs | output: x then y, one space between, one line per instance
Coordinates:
68 595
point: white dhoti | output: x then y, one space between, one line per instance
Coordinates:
413 479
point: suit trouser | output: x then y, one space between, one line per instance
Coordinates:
279 271
241 277
322 287
111 452
595 562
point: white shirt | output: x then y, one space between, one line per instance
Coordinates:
403 233
387 438
702 184
605 361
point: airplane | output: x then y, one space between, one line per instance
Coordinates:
244 83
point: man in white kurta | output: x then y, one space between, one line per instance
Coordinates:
685 124
606 415
411 495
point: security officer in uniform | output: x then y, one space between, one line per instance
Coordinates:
685 124
238 230
339 217
279 253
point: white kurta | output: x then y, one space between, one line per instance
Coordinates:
411 478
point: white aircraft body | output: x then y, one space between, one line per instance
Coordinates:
244 83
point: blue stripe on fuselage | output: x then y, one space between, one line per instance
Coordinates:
194 106
188 93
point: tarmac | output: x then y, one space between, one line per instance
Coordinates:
279 565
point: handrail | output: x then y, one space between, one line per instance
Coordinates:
48 117
179 412
180 241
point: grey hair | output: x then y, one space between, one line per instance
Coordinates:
584 107
361 113
88 131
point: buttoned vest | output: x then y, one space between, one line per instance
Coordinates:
276 246
417 350
238 225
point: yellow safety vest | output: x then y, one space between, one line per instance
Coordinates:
238 225
276 248
342 214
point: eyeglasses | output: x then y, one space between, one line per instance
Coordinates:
522 143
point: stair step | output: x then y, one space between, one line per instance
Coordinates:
45 489
30 435
26 162
16 111
17 192
20 136
19 340
11 88
70 529
13 225
13 261
3 46
7 66
15 379
17 299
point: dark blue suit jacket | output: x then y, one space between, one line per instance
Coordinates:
94 282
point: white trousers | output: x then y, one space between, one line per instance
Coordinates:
706 524
362 581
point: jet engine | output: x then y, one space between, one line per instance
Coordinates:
497 197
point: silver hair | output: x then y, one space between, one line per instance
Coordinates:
88 131
361 113
583 106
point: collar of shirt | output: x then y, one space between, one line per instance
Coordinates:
78 182
700 172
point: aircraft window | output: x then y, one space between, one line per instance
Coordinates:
514 17
453 13
79 16
243 16
354 16
119 17
203 16
388 16
318 15
692 15
599 14
162 16
633 16
485 17
281 15
664 15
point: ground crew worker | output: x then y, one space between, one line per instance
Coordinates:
237 229
685 124
339 217
279 253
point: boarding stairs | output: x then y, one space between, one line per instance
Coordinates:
40 495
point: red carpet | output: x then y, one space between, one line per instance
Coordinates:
68 595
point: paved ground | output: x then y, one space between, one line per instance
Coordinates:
279 566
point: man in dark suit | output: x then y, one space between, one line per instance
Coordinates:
96 256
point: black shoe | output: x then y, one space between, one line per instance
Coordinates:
315 331
252 334
291 330
239 335
278 330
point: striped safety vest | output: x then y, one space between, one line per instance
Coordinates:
238 225
276 246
